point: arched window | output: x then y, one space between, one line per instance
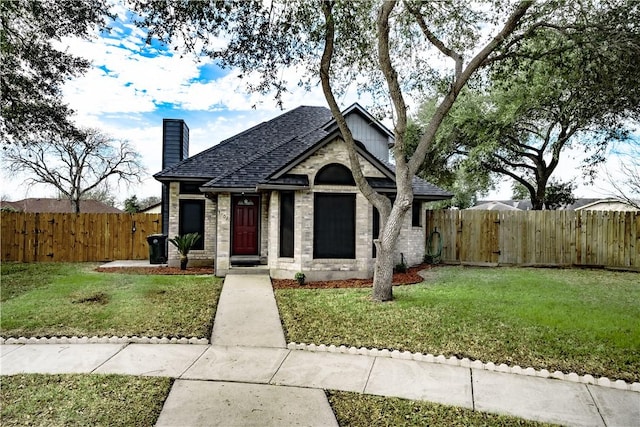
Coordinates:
334 174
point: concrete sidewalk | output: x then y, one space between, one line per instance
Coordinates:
240 380
249 375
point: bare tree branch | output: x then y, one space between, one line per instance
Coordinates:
75 167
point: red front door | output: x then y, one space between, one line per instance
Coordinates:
245 225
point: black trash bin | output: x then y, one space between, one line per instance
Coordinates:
157 248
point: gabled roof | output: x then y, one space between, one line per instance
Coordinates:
44 205
260 157
250 156
356 108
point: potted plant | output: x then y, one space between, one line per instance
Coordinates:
184 245
300 277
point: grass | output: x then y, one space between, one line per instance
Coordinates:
353 409
58 400
583 321
61 299
115 400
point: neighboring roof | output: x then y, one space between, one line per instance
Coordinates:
494 206
260 157
151 208
608 204
525 205
36 205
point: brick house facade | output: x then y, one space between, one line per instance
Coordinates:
281 195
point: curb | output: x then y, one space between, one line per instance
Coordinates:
104 340
467 363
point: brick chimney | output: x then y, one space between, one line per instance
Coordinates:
175 148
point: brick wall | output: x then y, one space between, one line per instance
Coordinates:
196 257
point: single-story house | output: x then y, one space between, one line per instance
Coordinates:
281 194
48 205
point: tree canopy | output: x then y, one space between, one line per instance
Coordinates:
392 50
34 68
563 89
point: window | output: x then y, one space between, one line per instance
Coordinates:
190 187
334 226
287 212
334 174
376 230
192 220
416 213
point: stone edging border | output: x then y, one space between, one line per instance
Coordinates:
104 340
467 363
374 352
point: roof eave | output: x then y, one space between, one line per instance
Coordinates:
182 178
228 189
284 187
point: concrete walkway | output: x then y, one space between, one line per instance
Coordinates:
247 314
244 383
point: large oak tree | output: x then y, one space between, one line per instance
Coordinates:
567 88
390 49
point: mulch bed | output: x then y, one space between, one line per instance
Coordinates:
157 270
409 278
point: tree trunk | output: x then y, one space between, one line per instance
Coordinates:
383 274
386 249
183 262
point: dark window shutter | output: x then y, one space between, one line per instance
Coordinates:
287 212
334 226
192 220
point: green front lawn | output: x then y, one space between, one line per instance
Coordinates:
73 400
115 400
59 299
361 410
584 321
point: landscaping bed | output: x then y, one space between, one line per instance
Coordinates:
409 277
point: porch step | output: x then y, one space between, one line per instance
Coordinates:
254 269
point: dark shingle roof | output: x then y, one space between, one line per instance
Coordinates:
248 160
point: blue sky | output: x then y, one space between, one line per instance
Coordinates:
132 86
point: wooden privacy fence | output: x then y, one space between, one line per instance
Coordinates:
32 237
554 238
